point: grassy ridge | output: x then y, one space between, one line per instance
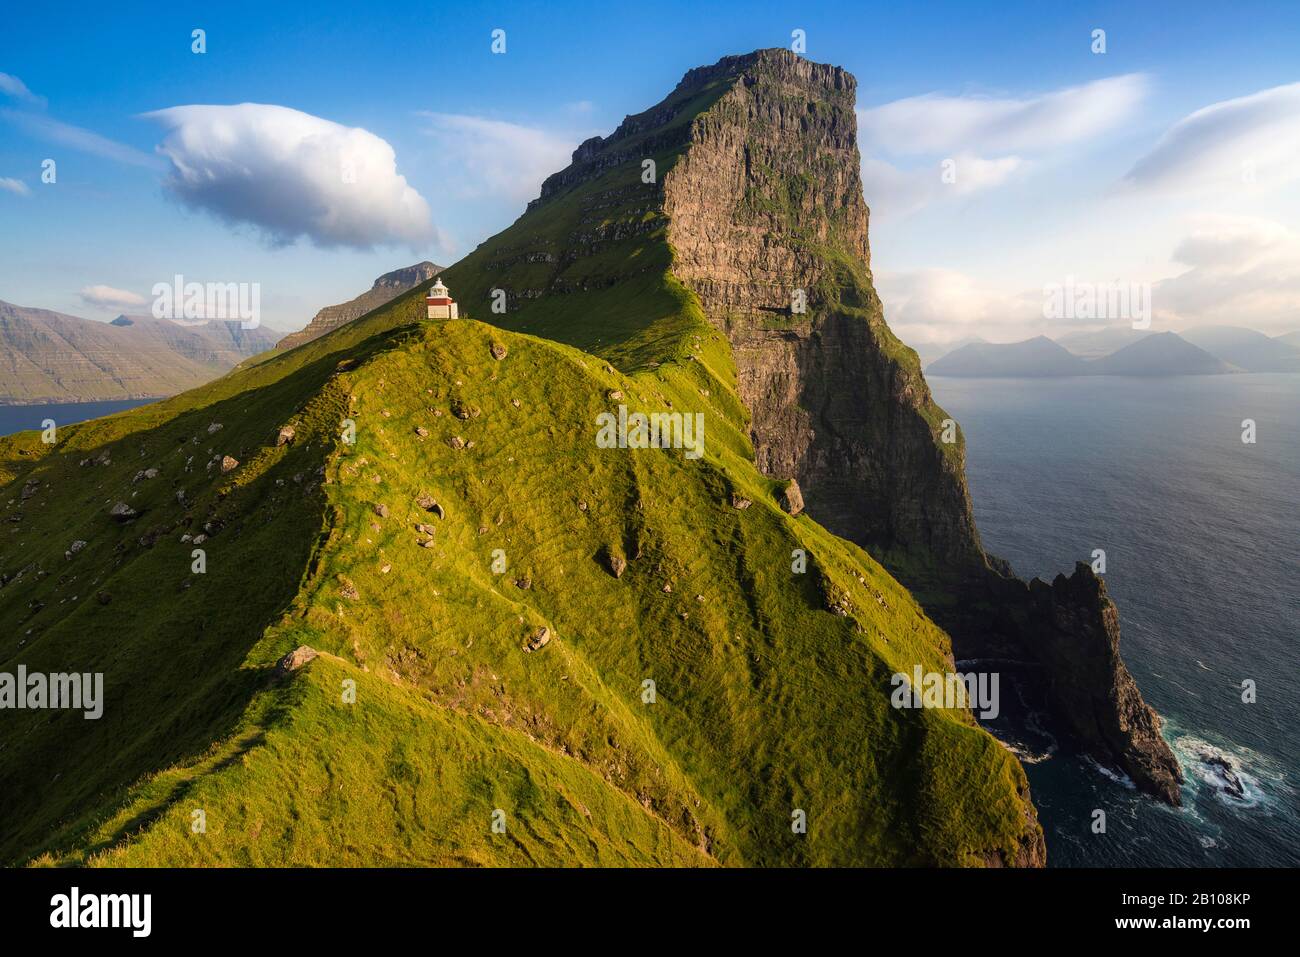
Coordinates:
766 699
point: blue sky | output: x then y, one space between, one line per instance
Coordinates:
1068 162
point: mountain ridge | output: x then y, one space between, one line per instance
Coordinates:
50 357
384 289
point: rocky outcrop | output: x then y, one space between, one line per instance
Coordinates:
1072 628
294 660
768 226
386 288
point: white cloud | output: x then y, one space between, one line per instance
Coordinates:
1235 271
291 174
983 137
501 159
106 297
1243 272
15 88
893 191
1251 139
931 307
15 186
940 124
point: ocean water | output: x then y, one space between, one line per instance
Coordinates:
20 418
1202 539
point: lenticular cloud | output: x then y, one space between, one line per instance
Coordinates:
291 174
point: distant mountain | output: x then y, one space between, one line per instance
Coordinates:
386 288
1159 354
1150 354
1246 348
217 342
1094 345
1290 338
1037 357
51 357
933 352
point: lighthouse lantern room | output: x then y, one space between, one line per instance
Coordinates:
439 303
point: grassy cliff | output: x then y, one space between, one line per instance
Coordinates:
771 686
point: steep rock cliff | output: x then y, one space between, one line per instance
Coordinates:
768 225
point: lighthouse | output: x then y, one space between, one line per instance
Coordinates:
440 305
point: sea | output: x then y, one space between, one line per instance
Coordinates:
1201 534
20 418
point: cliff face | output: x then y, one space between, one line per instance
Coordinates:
386 288
765 206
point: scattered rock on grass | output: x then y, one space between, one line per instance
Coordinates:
615 562
791 498
429 504
539 639
295 660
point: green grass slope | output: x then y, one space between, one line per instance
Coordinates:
771 687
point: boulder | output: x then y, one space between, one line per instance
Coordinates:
285 436
739 501
498 351
429 504
617 563
295 660
228 463
791 498
122 512
539 639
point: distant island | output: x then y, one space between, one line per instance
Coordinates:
1206 350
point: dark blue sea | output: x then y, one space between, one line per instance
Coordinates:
1202 541
20 418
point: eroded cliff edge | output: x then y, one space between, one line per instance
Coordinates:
767 200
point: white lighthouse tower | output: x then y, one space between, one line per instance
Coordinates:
439 303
